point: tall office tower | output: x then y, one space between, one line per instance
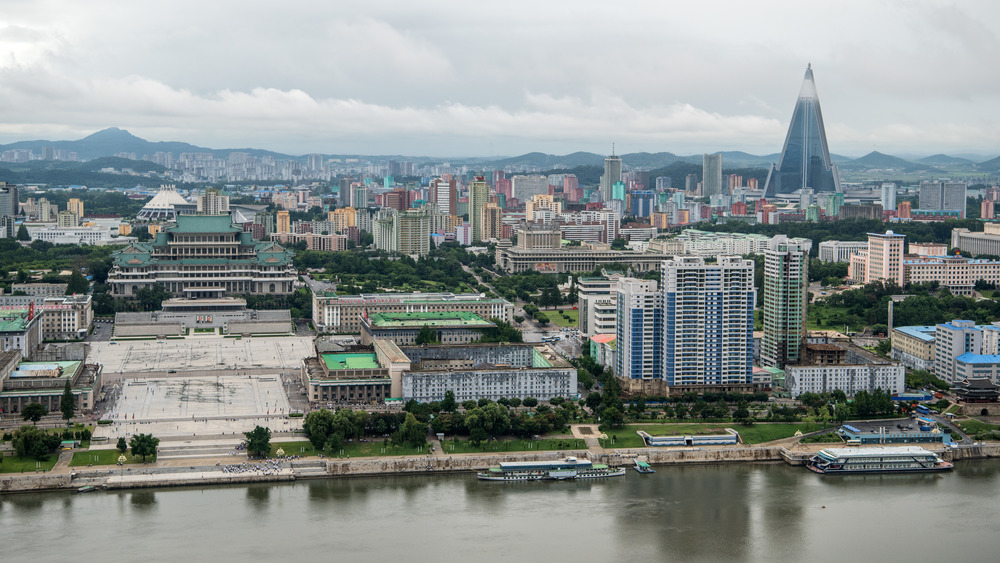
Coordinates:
708 321
284 222
497 176
612 174
949 196
444 194
478 195
888 196
885 258
76 206
639 330
711 174
805 159
8 209
786 265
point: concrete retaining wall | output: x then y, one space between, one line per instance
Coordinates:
33 482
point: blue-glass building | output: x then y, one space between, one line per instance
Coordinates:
805 159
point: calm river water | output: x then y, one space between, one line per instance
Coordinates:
765 512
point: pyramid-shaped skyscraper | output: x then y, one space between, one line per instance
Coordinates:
805 159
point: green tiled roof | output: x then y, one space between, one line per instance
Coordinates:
350 361
442 319
204 224
13 321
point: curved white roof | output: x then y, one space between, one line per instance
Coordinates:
166 198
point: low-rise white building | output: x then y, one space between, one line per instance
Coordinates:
849 378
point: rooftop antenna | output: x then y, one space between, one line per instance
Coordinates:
612 148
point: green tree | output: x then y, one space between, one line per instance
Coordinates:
122 445
34 412
542 318
67 404
427 335
77 283
258 442
22 233
318 426
143 445
742 413
449 404
412 432
35 442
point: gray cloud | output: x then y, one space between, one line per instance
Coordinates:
446 79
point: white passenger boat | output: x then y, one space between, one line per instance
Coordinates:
569 468
877 460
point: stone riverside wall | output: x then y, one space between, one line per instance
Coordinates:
325 468
34 482
708 454
985 450
429 464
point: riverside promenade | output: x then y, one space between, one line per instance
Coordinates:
200 469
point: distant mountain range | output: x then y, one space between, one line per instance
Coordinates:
113 140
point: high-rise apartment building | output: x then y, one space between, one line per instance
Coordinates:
359 196
492 221
711 174
639 329
524 187
885 257
444 194
284 222
8 210
342 219
805 159
888 196
786 279
75 205
612 174
708 322
212 202
406 232
478 195
943 196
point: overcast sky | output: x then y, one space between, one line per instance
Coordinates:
451 78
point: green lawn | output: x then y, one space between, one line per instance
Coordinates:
14 464
973 426
212 330
756 434
558 319
350 449
104 457
513 445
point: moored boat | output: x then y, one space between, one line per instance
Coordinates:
569 468
876 460
643 467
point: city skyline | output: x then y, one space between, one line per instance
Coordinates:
427 79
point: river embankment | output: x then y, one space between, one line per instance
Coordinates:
238 472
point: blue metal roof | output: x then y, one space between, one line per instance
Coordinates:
970 358
925 333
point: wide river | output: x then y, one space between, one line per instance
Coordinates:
735 512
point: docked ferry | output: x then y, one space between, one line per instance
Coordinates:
569 468
877 460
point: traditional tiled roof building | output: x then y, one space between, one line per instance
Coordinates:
203 256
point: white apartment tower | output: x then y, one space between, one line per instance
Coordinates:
639 329
707 321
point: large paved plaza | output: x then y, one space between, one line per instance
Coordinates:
203 406
201 354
